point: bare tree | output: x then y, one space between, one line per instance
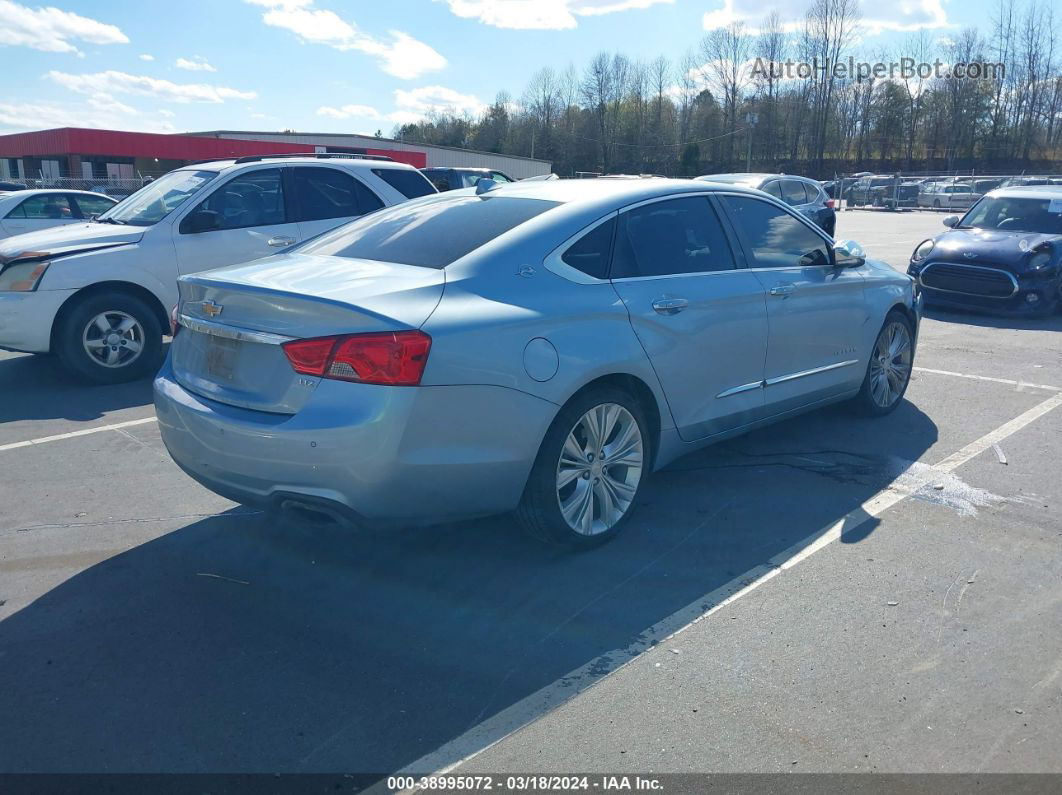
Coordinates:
725 55
830 27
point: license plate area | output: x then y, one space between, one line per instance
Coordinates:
221 357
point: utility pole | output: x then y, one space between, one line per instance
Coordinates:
750 120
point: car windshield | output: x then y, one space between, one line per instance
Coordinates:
431 234
1016 215
156 200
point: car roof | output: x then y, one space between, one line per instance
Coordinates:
604 193
738 177
1028 192
308 159
25 194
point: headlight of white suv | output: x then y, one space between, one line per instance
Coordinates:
22 277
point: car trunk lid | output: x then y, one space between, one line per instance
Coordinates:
235 320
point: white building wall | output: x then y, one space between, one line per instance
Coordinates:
437 156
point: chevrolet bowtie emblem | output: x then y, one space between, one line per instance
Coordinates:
211 309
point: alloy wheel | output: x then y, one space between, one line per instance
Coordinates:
890 364
113 339
599 469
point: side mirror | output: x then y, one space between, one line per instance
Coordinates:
951 220
848 254
201 221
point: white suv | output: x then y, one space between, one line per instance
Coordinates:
98 294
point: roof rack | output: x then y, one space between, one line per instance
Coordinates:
321 155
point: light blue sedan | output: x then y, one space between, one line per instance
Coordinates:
536 348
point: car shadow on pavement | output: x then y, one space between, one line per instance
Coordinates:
1051 322
36 388
311 648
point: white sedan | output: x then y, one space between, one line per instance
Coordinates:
30 210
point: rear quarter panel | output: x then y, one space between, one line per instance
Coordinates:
486 319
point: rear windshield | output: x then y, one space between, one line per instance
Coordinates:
411 184
1016 215
431 234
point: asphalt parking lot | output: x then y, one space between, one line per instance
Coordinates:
832 594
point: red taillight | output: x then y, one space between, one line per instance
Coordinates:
830 203
394 358
175 324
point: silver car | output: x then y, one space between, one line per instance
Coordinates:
537 347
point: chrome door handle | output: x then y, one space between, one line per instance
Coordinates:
669 306
280 241
783 289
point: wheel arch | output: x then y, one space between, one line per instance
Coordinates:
641 392
113 286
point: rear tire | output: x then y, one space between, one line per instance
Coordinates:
889 369
110 338
585 481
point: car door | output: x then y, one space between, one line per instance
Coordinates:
815 312
42 211
326 197
700 317
253 219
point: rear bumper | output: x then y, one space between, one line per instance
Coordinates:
26 319
380 454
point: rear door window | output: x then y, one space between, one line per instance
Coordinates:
430 233
323 193
670 237
793 192
48 206
411 184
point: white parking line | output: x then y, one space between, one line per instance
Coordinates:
1019 384
59 436
515 717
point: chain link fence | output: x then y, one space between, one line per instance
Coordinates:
923 191
116 188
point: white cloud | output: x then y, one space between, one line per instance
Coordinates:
418 102
108 104
196 63
400 55
44 115
112 82
910 15
146 57
541 14
169 114
52 30
350 111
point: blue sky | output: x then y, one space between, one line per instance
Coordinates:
338 65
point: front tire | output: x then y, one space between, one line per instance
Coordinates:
589 471
110 338
889 368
